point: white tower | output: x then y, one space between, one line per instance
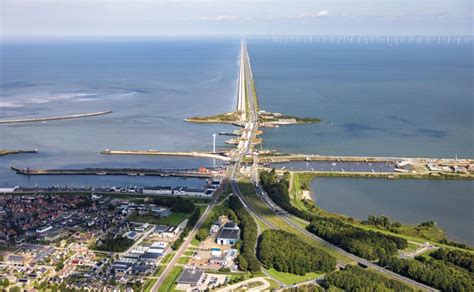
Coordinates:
214 143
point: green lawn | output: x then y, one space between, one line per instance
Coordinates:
158 271
174 219
188 253
183 260
167 258
149 284
273 284
291 279
171 279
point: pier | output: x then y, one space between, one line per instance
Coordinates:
191 173
45 119
9 152
220 156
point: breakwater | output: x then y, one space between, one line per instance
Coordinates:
55 118
194 173
220 156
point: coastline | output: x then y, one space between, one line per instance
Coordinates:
300 194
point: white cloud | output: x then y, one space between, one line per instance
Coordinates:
320 14
226 17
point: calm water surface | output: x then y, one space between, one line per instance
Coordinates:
449 203
150 86
376 100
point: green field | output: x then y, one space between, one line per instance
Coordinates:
171 279
291 279
174 219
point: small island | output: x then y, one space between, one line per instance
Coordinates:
266 119
224 118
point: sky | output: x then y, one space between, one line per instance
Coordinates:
51 18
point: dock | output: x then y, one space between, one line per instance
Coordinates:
220 156
190 173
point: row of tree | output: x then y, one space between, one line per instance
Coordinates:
383 222
277 189
285 252
193 219
176 204
458 258
247 260
431 272
368 244
354 278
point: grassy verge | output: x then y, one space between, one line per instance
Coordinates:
167 258
171 279
148 285
290 279
158 271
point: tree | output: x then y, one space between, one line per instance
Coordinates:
59 266
202 234
354 278
285 252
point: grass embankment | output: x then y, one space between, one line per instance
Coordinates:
248 191
301 182
226 118
290 279
255 100
169 283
